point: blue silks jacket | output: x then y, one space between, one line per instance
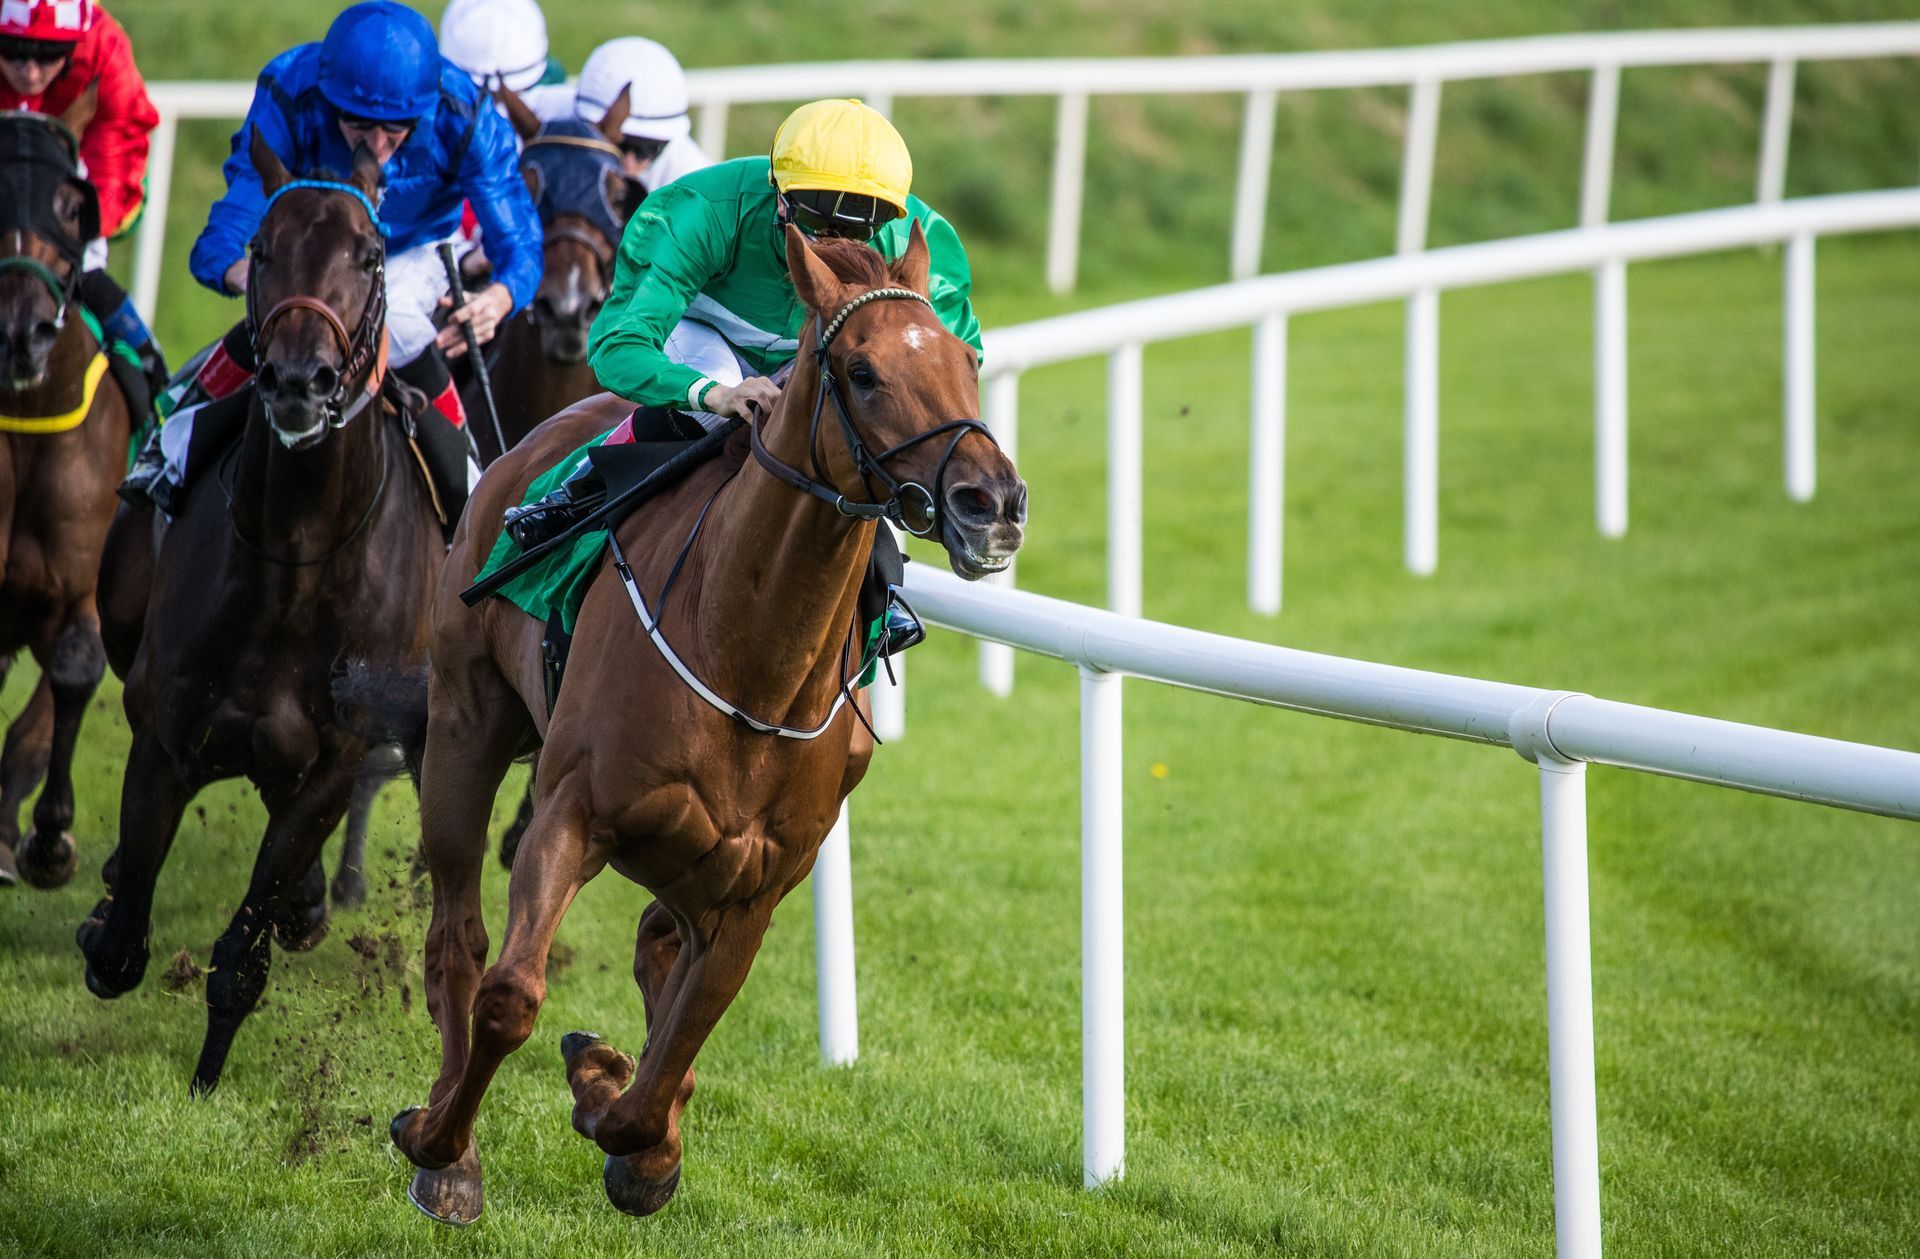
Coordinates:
462 150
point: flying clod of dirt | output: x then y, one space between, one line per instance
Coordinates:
181 971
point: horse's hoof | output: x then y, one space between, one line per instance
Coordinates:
300 929
47 864
450 1195
107 976
396 1132
573 1044
9 872
348 891
633 1194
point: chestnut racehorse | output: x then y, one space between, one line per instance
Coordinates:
716 803
64 428
313 544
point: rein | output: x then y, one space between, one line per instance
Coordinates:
869 465
362 347
366 517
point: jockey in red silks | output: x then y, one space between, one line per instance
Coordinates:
51 53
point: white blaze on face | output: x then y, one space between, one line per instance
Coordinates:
916 337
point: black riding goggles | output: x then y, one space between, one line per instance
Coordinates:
392 126
46 52
846 215
642 149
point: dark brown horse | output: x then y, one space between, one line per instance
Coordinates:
539 359
64 428
717 819
312 545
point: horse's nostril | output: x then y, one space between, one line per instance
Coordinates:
44 334
970 502
268 378
324 382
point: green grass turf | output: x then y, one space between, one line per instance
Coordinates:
1336 1027
1336 1019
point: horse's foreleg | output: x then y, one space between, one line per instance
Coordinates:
350 879
552 867
639 1129
125 584
467 755
153 795
73 669
23 763
298 824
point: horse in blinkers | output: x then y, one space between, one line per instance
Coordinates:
64 428
539 359
313 544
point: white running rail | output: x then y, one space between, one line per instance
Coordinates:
1561 732
1119 332
1261 77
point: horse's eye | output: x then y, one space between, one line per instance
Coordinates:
862 375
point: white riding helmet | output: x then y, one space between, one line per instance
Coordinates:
657 99
496 41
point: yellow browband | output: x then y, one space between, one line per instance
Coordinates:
67 419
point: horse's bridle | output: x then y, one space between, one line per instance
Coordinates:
361 346
870 466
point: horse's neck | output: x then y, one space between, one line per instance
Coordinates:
782 572
301 503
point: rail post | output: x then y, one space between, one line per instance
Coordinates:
1102 973
1771 183
1610 397
150 241
1266 495
1123 480
713 130
1603 111
1069 180
1799 367
1422 472
833 946
1576 1139
1416 171
1250 191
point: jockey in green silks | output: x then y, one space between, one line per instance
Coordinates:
703 318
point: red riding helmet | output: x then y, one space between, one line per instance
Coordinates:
55 21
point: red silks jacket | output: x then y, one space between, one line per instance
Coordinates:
115 144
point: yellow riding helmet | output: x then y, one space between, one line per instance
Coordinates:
842 146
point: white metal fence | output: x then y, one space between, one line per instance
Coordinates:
1560 732
1120 332
1261 77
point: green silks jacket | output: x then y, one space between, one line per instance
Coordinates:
705 248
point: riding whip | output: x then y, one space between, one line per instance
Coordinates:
474 356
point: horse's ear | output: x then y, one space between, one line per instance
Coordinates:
616 114
813 280
910 269
623 193
77 115
366 171
525 122
267 164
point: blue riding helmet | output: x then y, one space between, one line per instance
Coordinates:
380 61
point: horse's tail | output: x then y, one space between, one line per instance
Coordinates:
385 705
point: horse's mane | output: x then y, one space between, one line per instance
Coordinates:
852 262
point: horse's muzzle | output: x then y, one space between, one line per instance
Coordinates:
982 524
26 345
298 394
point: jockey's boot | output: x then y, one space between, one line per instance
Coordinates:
533 524
146 483
441 431
900 626
103 297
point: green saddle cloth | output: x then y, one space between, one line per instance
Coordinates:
559 582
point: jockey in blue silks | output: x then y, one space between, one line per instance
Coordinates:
377 79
